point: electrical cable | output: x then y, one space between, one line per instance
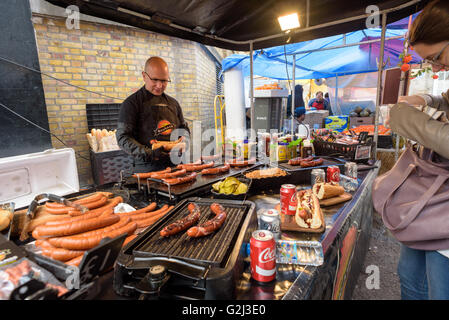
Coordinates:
65 82
43 129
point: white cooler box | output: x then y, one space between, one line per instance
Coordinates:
26 176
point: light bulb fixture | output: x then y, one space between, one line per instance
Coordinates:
290 21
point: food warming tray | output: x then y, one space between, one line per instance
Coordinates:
199 268
328 161
201 185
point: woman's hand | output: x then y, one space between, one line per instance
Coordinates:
412 100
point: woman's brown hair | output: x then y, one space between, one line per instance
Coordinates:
432 24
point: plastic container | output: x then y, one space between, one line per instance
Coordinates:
24 177
282 151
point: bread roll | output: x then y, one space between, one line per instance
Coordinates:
327 190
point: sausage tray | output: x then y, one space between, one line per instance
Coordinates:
201 186
302 175
199 268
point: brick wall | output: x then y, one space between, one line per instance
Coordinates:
108 59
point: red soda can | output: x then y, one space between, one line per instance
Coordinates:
288 199
333 174
263 256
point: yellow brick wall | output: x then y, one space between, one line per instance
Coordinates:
108 59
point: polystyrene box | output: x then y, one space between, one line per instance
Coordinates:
275 93
26 176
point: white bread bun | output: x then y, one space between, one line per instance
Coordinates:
327 190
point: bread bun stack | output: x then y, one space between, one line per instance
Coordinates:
5 218
102 140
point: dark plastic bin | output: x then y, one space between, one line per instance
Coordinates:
106 166
102 116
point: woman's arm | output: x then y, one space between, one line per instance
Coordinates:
415 125
438 102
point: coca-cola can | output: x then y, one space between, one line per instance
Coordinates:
263 256
271 221
288 199
333 174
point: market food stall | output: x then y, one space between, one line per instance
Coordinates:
91 241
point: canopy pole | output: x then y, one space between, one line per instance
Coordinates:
401 87
251 93
293 92
379 84
336 93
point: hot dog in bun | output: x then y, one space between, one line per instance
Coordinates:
327 190
308 210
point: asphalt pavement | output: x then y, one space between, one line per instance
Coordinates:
379 279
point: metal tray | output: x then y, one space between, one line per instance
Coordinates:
200 186
209 250
270 184
328 161
243 196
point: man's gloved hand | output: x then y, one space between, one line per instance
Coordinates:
160 154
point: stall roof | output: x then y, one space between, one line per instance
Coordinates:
317 59
234 24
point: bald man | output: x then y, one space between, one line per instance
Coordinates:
149 114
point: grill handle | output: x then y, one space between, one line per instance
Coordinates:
180 267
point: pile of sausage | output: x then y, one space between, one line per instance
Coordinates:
67 239
188 172
192 218
305 162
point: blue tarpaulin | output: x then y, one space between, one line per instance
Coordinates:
277 62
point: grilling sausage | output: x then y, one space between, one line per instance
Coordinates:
211 225
143 223
197 167
146 175
64 242
83 201
109 204
88 215
184 223
217 170
240 163
167 175
148 208
184 165
297 161
314 163
76 261
75 227
211 158
88 242
150 214
61 254
89 205
188 178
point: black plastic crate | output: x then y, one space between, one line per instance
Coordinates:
102 116
355 152
384 141
106 166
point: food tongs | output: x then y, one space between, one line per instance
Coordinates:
35 203
32 209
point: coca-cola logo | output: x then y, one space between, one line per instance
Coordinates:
266 255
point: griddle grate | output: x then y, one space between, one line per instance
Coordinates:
212 249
